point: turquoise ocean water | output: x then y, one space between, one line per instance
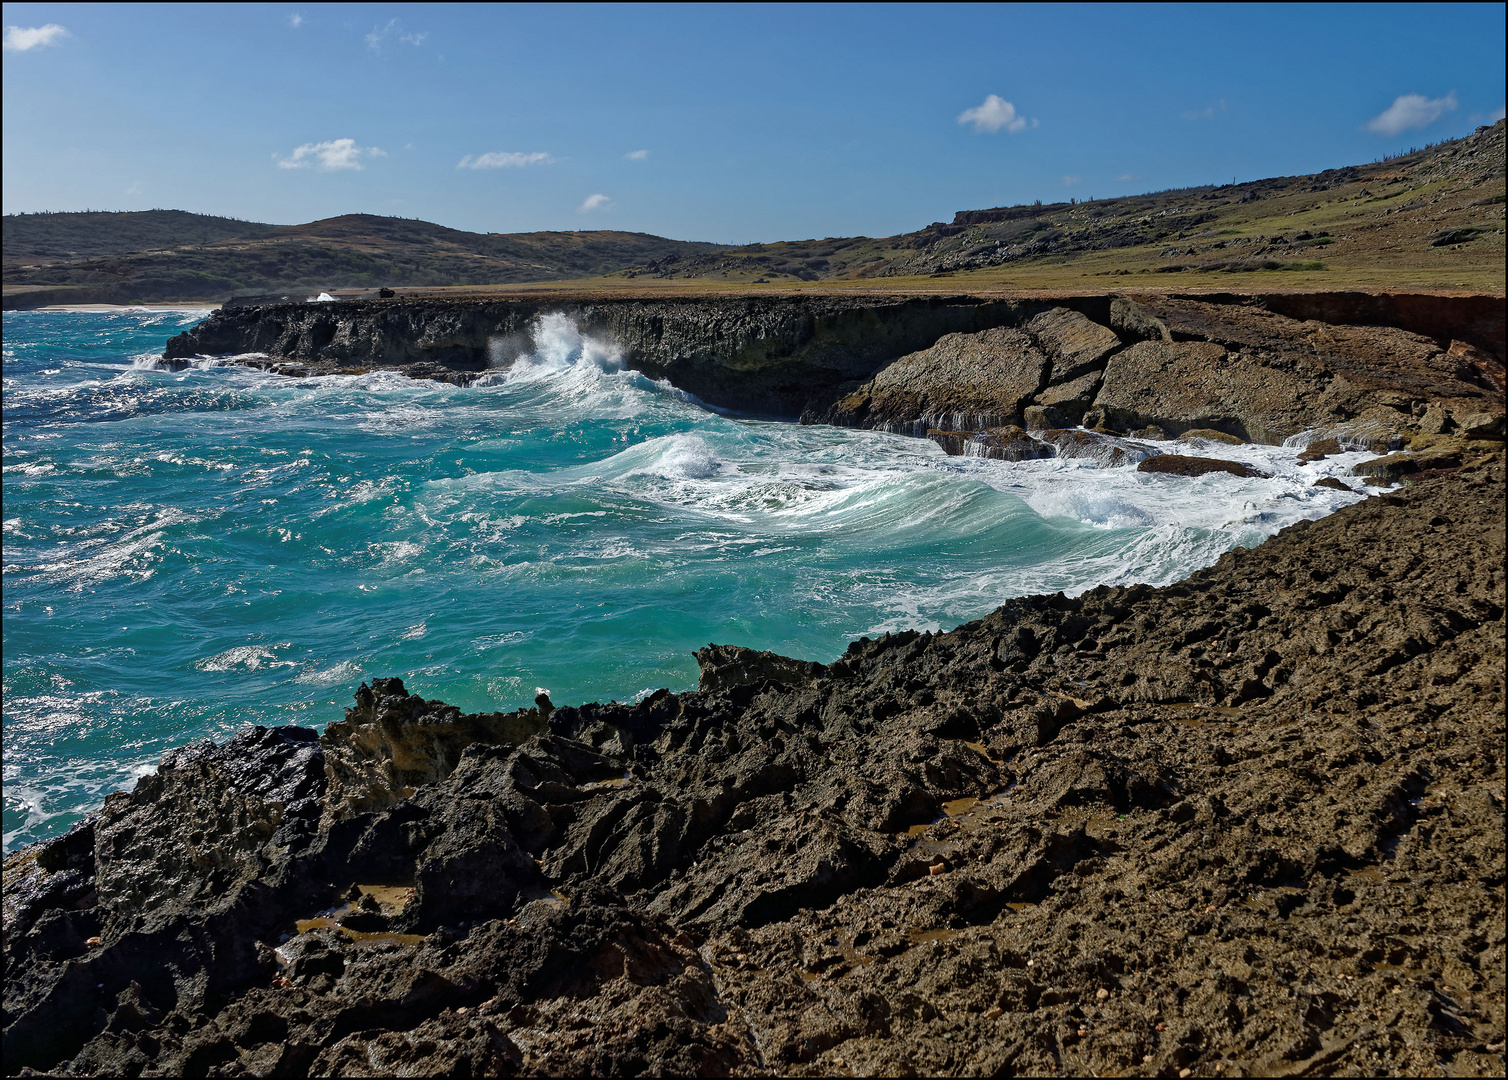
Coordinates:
187 552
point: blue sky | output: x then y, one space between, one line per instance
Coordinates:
732 124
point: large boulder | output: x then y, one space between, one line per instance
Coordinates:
965 381
1182 385
1006 443
1181 465
1280 376
1076 344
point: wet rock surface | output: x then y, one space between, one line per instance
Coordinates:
1184 465
1250 823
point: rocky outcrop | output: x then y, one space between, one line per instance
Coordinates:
1233 371
826 357
1183 465
774 355
964 381
394 742
1218 825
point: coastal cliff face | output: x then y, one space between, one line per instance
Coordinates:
1165 366
1250 822
1258 368
775 355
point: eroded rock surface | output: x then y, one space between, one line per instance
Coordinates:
964 381
1249 823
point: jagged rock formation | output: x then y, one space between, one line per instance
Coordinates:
1255 367
1251 822
1179 365
774 355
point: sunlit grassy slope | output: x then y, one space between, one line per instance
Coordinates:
1432 219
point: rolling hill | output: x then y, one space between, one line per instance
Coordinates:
1432 218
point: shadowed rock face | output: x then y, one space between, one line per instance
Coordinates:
1222 823
774 355
816 356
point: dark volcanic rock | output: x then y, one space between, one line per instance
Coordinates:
1179 465
1249 822
394 741
777 355
1008 443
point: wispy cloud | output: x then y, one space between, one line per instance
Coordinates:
295 20
27 38
1409 112
1126 178
594 202
995 113
134 189
504 160
1069 181
1497 114
1206 113
637 155
380 35
332 156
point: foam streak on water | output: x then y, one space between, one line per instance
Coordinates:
186 552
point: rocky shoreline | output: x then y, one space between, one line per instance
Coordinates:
1250 823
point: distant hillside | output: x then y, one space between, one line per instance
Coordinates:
1432 217
173 255
1439 209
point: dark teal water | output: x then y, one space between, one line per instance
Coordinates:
187 552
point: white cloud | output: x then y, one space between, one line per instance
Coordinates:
1206 113
594 202
994 114
637 155
375 37
1069 181
330 156
1126 178
134 189
26 38
504 160
1497 114
1410 112
295 20
393 29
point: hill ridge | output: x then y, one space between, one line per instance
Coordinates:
1342 227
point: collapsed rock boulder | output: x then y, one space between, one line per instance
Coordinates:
965 381
1180 465
1007 443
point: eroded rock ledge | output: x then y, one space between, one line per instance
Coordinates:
797 355
1249 823
1162 367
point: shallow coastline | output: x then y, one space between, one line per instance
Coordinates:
1250 822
